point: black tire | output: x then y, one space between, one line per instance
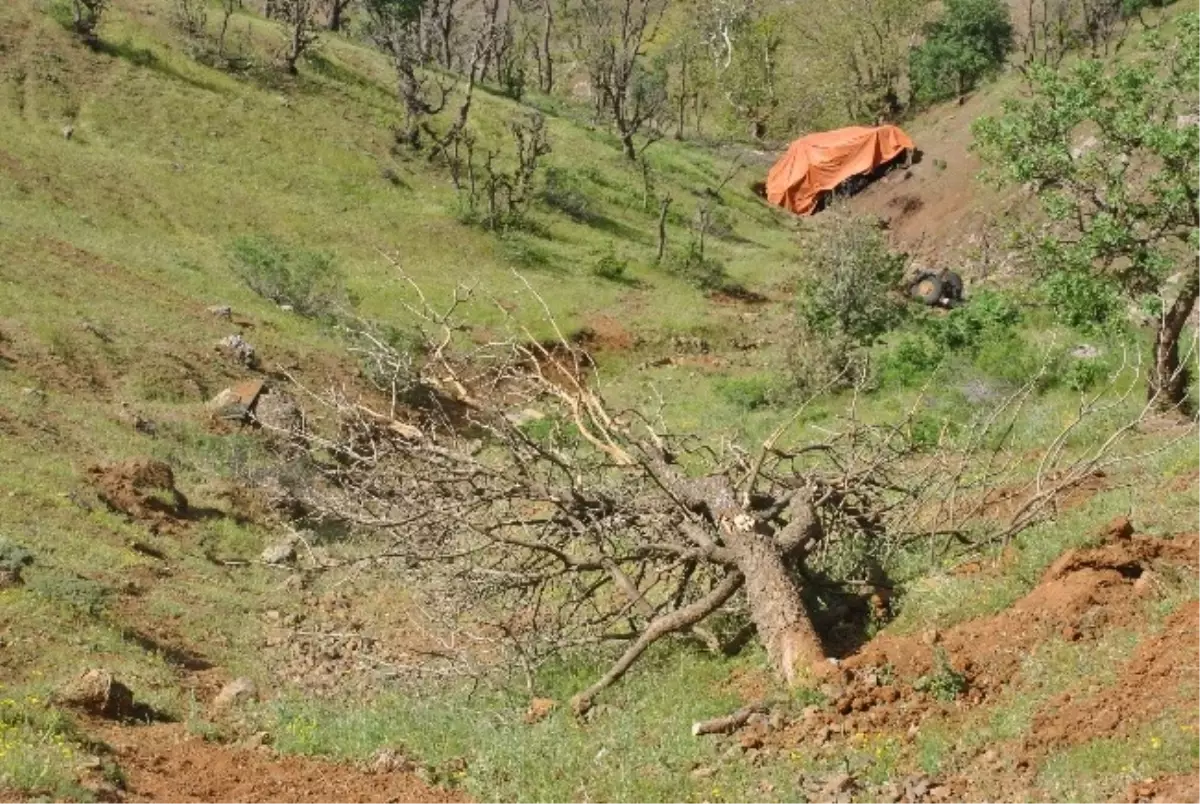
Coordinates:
952 286
927 288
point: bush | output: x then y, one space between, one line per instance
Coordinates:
308 281
563 191
1083 301
969 42
1083 375
912 359
989 314
850 287
85 17
610 267
747 393
705 273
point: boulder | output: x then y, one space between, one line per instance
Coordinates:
97 692
235 693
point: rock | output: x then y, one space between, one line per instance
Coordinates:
221 311
239 349
915 787
539 709
236 402
703 771
282 552
1082 148
98 693
939 793
931 636
392 760
235 693
1119 529
1070 633
68 131
277 411
1085 351
1146 583
837 783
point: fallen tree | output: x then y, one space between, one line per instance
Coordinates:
538 520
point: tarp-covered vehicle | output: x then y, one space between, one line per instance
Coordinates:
819 163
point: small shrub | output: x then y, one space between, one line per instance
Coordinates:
705 273
610 267
747 393
1083 375
1006 356
965 328
849 289
309 281
562 191
74 591
818 363
944 682
85 17
13 557
1082 301
912 359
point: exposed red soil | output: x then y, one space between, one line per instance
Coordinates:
604 333
1160 677
164 763
1084 593
1181 787
142 488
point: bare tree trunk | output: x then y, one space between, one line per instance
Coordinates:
546 76
793 646
663 205
336 9
1167 383
627 146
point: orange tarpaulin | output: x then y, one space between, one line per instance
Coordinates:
819 162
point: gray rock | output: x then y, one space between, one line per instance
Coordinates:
277 410
1085 351
235 693
282 552
239 349
221 310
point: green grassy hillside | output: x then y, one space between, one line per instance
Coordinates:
116 240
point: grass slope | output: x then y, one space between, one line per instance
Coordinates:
115 241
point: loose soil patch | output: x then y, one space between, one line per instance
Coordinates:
1160 677
165 763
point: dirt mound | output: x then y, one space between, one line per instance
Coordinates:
165 763
1161 676
1083 591
1182 787
142 488
892 683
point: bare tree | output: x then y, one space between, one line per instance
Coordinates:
297 17
335 14
85 17
544 521
610 37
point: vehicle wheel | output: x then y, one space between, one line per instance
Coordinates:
927 288
952 286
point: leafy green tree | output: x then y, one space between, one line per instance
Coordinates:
966 44
1112 154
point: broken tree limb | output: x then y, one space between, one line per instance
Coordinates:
728 723
677 620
